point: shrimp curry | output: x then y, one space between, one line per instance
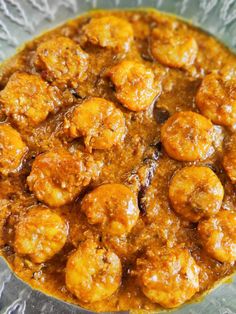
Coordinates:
118 161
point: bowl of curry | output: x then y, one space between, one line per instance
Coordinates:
118 161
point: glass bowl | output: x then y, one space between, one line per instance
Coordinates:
21 20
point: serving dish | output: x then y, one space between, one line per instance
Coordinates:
30 302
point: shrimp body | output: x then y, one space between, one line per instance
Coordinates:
134 84
62 60
187 136
27 99
172 48
93 273
216 99
57 177
218 235
108 32
168 277
196 192
229 159
12 149
113 207
99 122
40 234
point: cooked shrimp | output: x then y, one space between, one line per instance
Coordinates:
108 32
216 99
40 234
113 207
61 59
100 123
218 235
134 84
229 164
57 177
187 136
168 276
229 159
28 100
5 213
12 149
196 192
93 273
172 48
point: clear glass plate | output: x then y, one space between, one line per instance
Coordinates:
21 20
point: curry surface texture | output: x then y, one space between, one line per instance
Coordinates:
118 161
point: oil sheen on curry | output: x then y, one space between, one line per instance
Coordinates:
118 161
